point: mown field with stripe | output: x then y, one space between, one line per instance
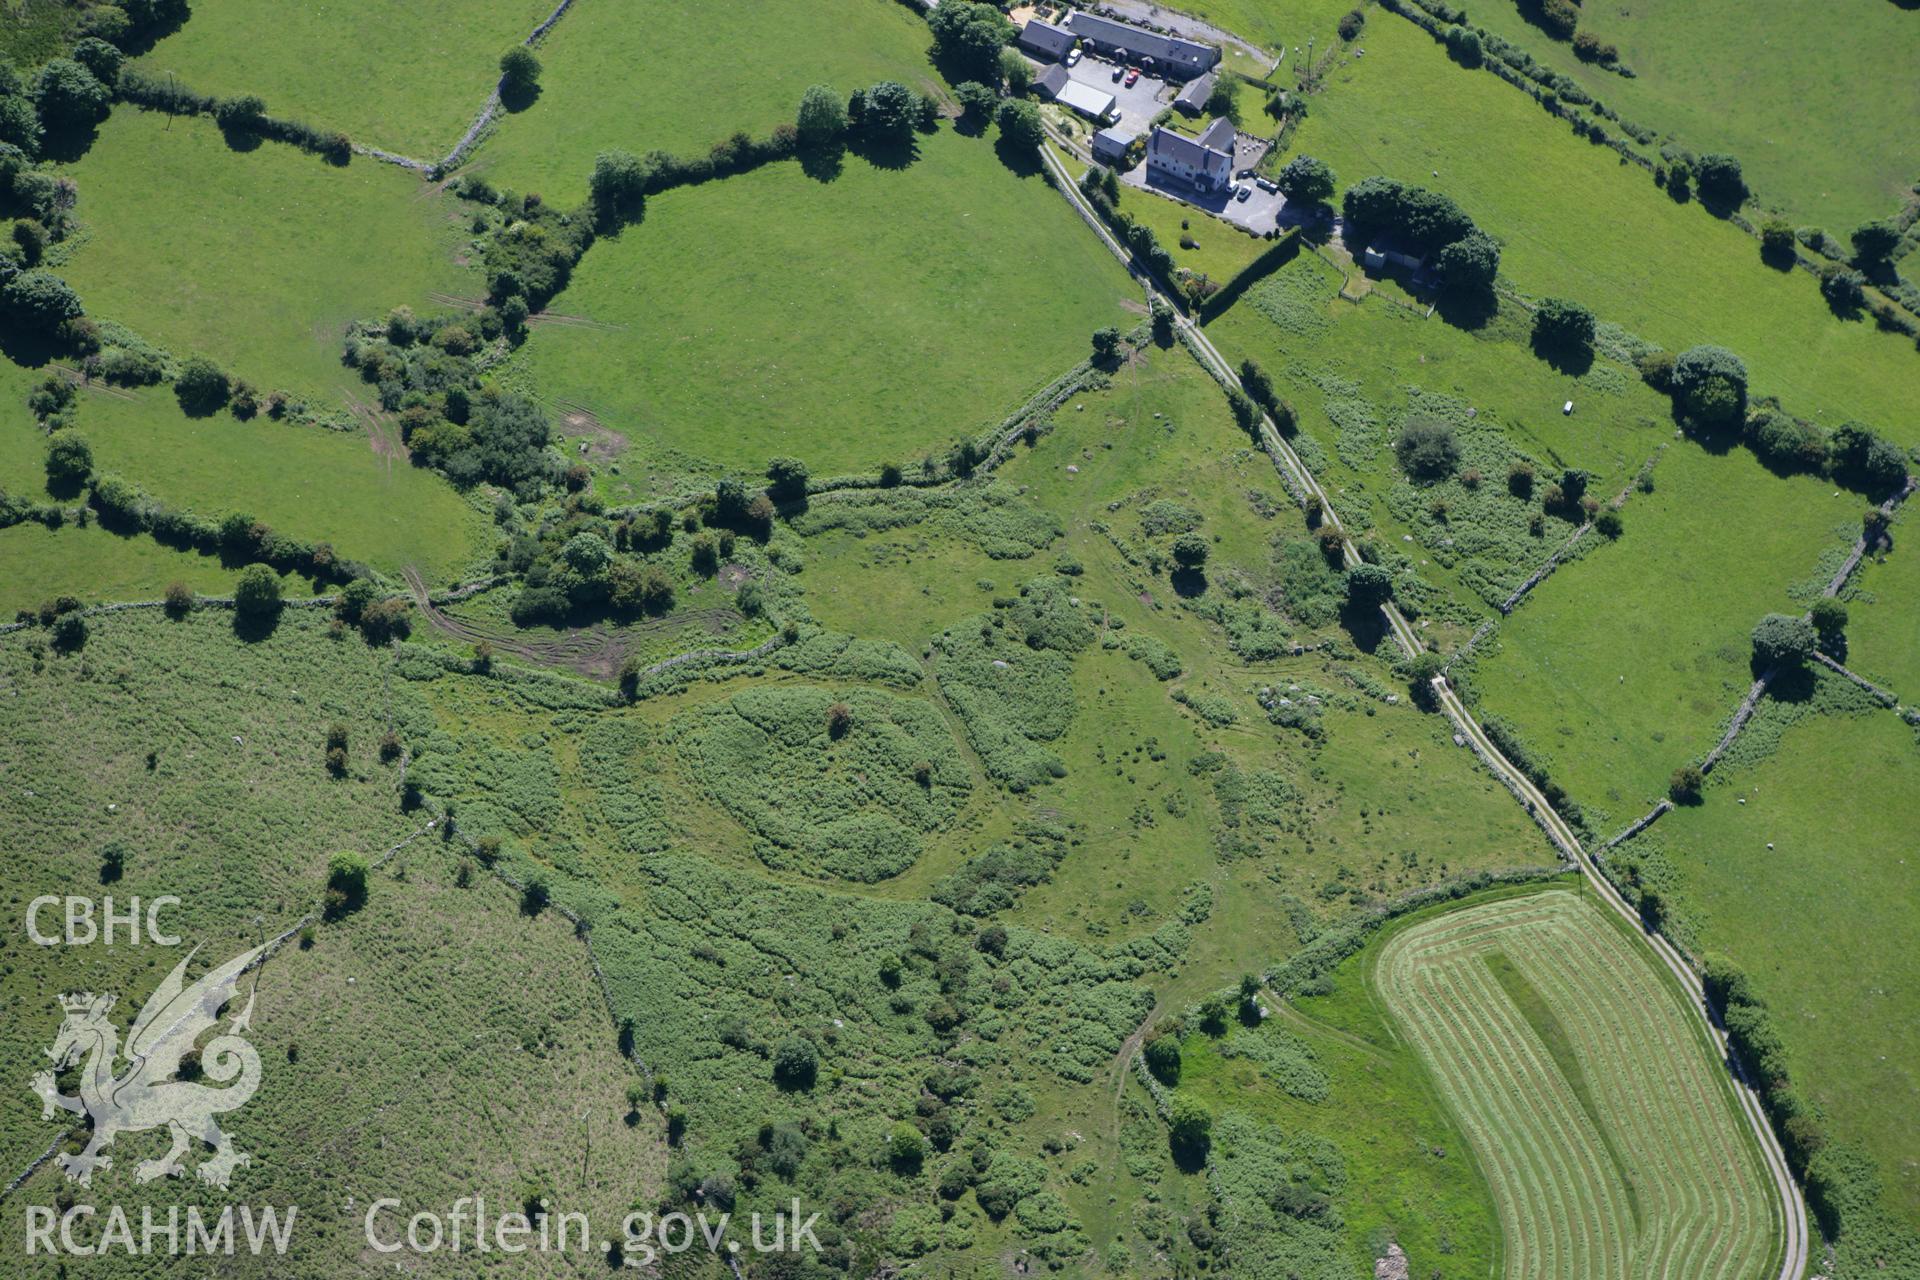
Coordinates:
1605 1126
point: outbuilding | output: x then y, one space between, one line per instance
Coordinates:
1050 82
1090 102
1045 42
1110 146
1193 99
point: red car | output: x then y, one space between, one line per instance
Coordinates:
1133 76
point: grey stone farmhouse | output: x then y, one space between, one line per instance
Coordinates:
1167 56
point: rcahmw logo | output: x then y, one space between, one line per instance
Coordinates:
170 1232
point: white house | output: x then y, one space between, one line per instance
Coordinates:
1205 163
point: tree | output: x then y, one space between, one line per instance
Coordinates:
1016 72
1224 100
1829 619
1190 1125
202 386
618 188
1368 585
1307 179
519 70
1106 345
1844 289
1776 240
1864 460
888 112
587 554
1782 641
1609 523
1190 551
1469 264
839 720
1352 23
1162 314
1020 127
179 599
346 883
968 38
976 102
257 593
823 116
69 460
68 96
796 1063
1163 1058
1463 43
240 115
1560 325
1427 449
39 300
906 1148
1685 784
1874 243
1560 18
787 478
1710 385
69 632
99 57
1720 178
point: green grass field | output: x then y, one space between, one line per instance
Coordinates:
258 260
689 76
1623 665
312 482
1823 134
1880 626
1575 224
810 319
1605 1123
479 1028
405 78
1356 371
38 564
1809 885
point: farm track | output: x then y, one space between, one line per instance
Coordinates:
1670 1188
1301 483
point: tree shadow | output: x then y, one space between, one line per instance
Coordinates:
29 346
1023 163
1791 684
1188 583
1722 204
824 163
1468 309
1365 623
240 139
65 488
1779 257
887 153
64 144
1572 359
516 98
252 628
1188 1157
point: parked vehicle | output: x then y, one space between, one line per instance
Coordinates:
1267 185
1133 77
1073 57
1118 71
1242 192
